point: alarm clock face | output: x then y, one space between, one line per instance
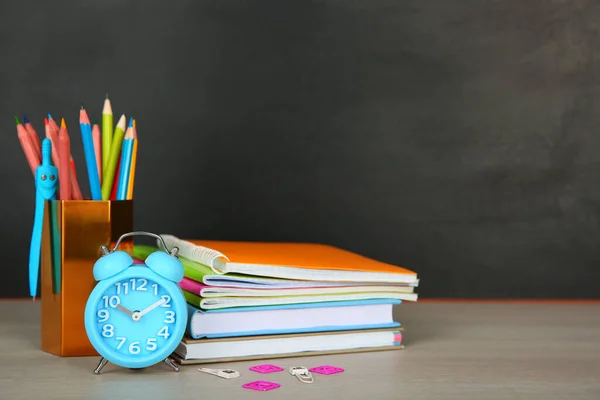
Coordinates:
136 320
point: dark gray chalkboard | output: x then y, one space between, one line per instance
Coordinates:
460 139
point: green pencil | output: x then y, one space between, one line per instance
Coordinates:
55 243
107 134
115 153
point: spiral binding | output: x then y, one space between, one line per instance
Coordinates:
203 255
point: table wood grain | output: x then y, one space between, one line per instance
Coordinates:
470 350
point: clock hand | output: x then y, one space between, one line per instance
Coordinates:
152 307
125 310
135 315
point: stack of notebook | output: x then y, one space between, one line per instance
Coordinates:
252 300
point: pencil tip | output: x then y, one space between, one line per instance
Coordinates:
17 120
82 107
25 119
130 122
62 123
107 96
49 117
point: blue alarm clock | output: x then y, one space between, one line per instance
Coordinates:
136 315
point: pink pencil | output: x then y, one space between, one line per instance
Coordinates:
28 147
97 149
34 138
52 131
64 167
53 136
53 124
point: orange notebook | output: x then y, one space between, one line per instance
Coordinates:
301 261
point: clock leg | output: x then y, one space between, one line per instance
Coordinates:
171 364
101 365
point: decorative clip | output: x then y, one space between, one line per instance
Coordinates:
262 386
222 373
326 370
266 368
303 374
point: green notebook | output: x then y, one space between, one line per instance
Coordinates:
191 269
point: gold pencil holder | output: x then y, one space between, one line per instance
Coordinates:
72 235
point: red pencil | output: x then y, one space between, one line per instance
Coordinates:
34 138
64 168
52 134
52 130
97 149
113 193
53 124
28 147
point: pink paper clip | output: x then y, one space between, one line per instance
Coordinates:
261 385
266 368
326 370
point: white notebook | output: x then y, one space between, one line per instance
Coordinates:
257 282
212 303
276 346
293 318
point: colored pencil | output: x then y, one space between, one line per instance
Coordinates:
55 223
27 146
113 191
52 131
133 163
52 134
107 133
110 154
34 138
115 152
75 189
90 158
97 149
53 124
64 150
55 129
125 162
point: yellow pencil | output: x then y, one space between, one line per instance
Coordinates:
115 152
107 133
133 162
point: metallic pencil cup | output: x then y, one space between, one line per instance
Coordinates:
72 235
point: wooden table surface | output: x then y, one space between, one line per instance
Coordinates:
455 350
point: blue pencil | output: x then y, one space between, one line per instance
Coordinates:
126 157
90 155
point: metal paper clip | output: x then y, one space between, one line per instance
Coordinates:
222 373
303 374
